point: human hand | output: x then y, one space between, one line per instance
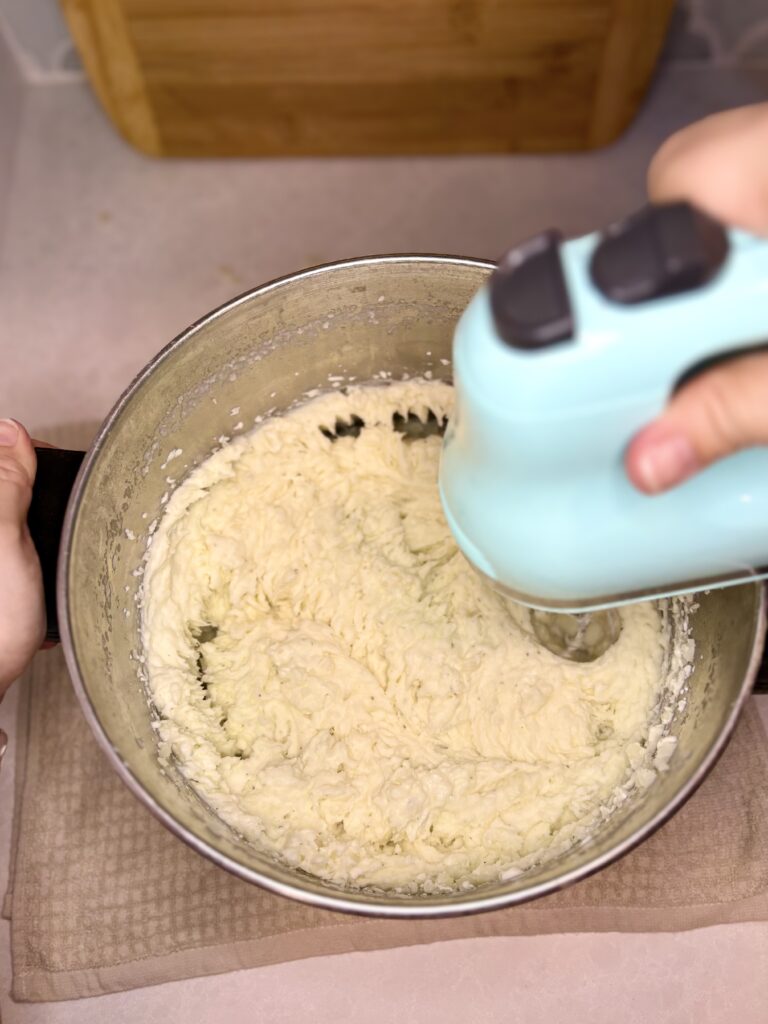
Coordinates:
22 612
718 165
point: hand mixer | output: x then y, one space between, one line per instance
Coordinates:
558 361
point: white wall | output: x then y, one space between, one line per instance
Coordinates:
12 89
37 35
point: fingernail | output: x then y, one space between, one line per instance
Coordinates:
666 462
9 433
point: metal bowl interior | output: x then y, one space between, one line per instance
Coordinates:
258 354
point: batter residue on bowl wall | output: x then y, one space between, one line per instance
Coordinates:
344 690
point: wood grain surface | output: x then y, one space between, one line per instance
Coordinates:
291 77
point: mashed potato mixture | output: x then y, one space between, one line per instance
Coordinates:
344 690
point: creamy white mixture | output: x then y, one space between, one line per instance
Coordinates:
344 690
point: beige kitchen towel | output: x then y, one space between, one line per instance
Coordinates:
103 898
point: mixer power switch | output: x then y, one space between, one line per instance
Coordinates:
661 250
529 299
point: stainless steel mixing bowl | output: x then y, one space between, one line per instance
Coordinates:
259 353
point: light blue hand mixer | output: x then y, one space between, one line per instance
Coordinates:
558 361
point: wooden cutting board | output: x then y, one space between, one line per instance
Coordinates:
291 77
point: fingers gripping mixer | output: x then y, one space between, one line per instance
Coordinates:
558 361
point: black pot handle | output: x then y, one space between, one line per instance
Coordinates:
761 683
56 472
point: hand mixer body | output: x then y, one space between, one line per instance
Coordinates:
532 476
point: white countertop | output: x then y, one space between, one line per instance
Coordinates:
105 256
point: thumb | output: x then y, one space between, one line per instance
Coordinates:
22 616
17 473
717 413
